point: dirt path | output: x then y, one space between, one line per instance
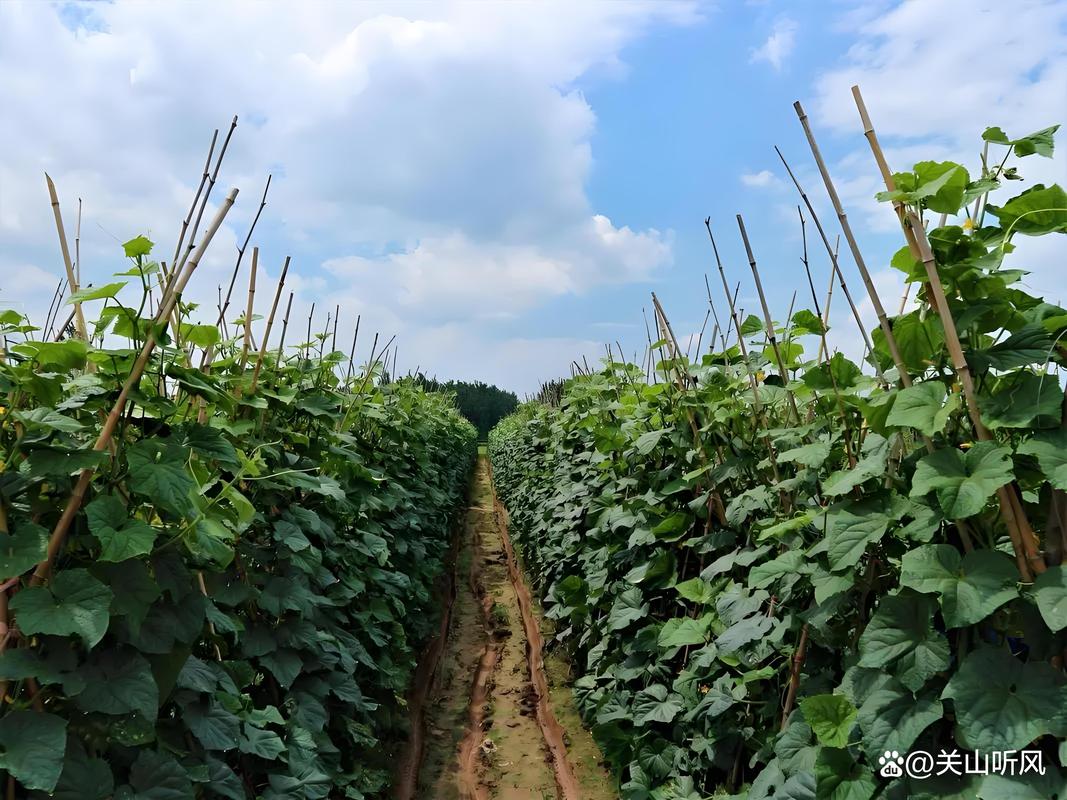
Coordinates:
483 716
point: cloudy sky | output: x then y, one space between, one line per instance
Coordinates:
501 185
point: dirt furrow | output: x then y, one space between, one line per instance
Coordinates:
483 725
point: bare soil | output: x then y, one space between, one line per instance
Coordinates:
488 721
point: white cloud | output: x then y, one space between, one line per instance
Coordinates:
931 95
436 153
759 180
779 44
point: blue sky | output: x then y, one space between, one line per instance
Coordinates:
502 185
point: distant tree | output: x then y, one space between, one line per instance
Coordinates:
482 404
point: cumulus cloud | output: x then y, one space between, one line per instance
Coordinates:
759 180
433 157
779 45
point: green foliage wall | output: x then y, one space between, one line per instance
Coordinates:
240 602
703 548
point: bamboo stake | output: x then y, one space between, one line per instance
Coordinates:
285 327
196 198
78 244
352 352
207 195
248 309
270 324
1027 550
241 253
72 280
767 319
167 304
336 316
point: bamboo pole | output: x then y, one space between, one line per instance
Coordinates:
189 216
248 309
167 303
207 195
225 305
270 324
285 327
767 319
72 280
1027 550
352 352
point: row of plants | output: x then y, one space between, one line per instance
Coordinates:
225 595
772 571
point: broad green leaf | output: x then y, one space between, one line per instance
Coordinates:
647 442
73 603
839 777
628 608
963 482
1041 142
67 356
1029 345
213 726
31 747
44 417
257 742
920 339
805 322
969 589
838 372
656 704
812 455
871 464
695 590
941 185
157 776
1036 211
830 716
83 778
118 681
96 293
22 549
684 631
763 575
1050 449
851 527
901 633
120 536
1050 592
892 718
1023 400
1002 703
922 406
158 472
138 246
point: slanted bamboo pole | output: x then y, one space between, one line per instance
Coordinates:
270 324
767 319
207 196
352 352
285 327
167 304
72 279
1024 541
248 309
196 198
241 254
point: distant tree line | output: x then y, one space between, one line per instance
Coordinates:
482 404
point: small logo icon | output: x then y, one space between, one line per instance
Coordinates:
891 762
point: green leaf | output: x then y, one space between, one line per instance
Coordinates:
940 185
656 704
265 744
920 340
74 603
157 776
120 537
138 246
892 718
44 417
22 549
67 356
838 372
118 681
647 442
31 748
922 406
1050 592
696 590
902 633
963 482
684 631
872 464
96 293
830 716
1041 142
1050 449
214 726
1036 211
850 528
969 589
812 455
628 608
83 778
805 322
765 574
1002 703
1030 344
158 471
1023 400
839 777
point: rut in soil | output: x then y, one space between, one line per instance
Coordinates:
486 718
